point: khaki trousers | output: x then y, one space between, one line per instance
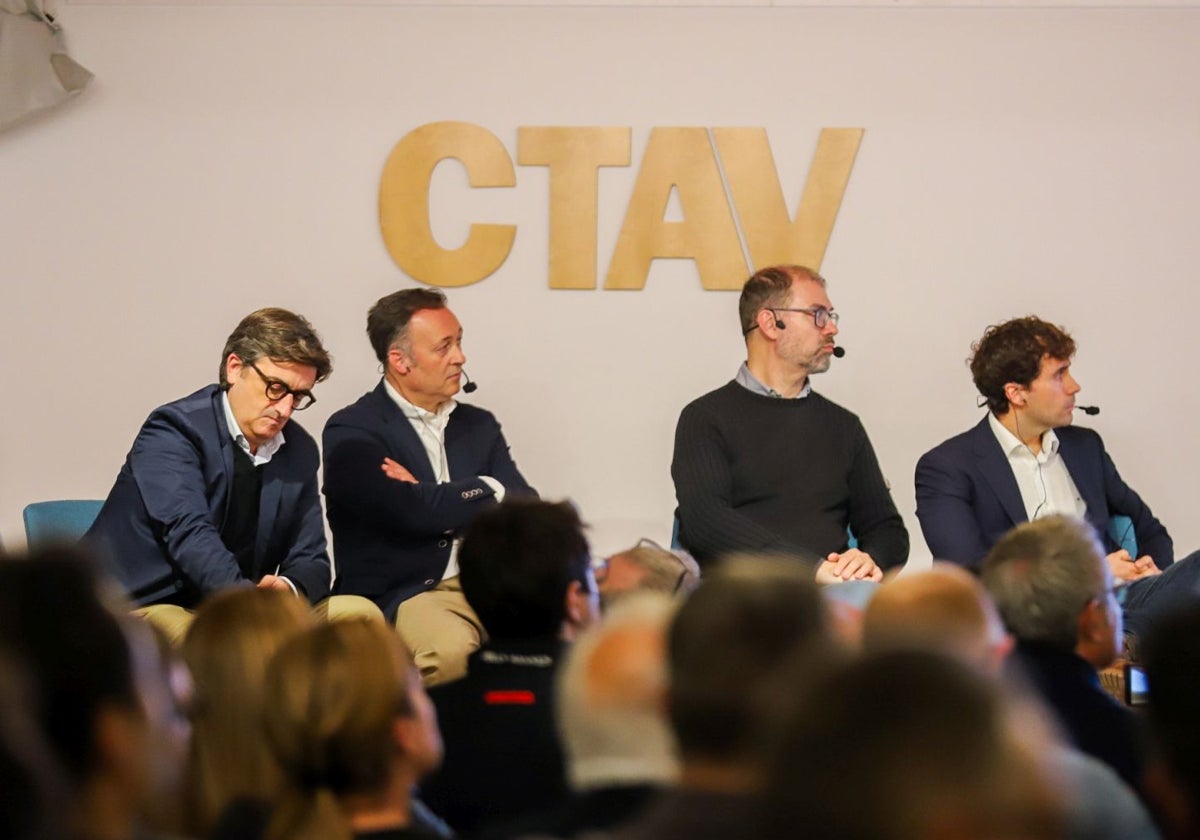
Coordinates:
174 621
440 630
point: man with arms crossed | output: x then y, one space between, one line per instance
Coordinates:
407 468
1025 461
764 463
213 493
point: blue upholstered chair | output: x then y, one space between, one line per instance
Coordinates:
59 520
1120 528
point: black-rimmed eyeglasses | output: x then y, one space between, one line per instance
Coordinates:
820 315
277 389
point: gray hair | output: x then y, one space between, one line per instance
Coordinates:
1041 575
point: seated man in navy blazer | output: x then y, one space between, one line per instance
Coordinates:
1025 461
407 468
214 493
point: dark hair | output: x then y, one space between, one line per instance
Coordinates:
1172 661
945 750
387 320
280 336
516 563
745 620
76 658
770 287
1013 352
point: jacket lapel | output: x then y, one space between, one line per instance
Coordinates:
403 444
997 473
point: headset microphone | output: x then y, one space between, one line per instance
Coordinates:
779 325
1089 410
839 351
470 386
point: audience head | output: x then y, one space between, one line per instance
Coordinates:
32 794
1052 585
744 620
612 697
351 726
228 646
646 567
944 609
1171 658
58 631
1011 354
908 746
165 688
768 288
525 569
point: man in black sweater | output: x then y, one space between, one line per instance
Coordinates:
766 464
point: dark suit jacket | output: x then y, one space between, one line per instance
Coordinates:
1096 723
160 528
967 496
391 538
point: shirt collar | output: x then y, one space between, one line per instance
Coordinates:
415 412
1010 443
752 384
265 451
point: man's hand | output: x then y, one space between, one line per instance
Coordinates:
1146 566
849 565
273 582
1127 569
394 471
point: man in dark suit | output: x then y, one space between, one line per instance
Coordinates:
213 494
1024 461
407 468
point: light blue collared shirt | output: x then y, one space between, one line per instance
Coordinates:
750 382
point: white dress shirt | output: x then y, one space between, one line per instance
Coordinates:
1043 479
430 427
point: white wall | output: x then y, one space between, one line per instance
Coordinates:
1015 160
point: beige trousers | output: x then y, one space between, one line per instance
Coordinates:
440 630
175 621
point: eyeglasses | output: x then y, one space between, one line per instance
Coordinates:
600 565
820 315
277 389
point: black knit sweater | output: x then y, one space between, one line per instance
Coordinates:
756 473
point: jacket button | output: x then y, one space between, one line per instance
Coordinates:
442 543
429 582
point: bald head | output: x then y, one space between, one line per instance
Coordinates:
612 697
944 609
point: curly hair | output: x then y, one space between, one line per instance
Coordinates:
1013 352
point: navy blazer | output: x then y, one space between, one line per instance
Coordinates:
392 539
160 528
967 495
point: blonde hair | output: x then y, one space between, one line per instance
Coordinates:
334 700
227 648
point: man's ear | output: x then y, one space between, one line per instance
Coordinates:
766 323
580 606
399 361
233 367
1015 394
